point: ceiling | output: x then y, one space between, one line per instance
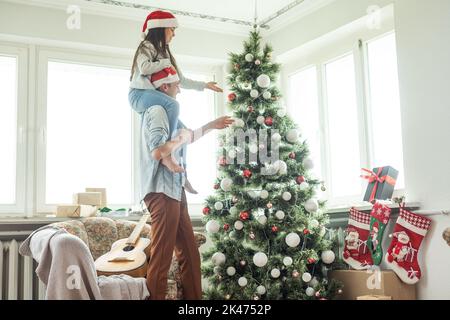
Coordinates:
226 16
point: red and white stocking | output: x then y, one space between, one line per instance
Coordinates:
356 253
406 239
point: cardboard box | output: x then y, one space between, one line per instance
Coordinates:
90 198
359 283
102 191
75 210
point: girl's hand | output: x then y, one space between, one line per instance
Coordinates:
212 86
221 123
184 136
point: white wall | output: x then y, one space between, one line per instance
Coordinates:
422 31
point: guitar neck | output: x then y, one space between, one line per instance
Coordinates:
134 236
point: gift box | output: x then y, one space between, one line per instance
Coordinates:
102 191
381 183
91 198
75 210
358 283
373 297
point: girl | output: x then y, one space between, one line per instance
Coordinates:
153 55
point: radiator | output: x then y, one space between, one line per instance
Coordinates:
18 281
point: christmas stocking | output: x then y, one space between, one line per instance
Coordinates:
407 237
379 218
356 253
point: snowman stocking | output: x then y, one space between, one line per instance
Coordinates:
356 253
379 218
407 237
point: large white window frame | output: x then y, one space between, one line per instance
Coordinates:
353 43
20 53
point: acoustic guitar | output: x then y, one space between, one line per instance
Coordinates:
127 256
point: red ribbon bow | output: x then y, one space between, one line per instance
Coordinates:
170 70
375 177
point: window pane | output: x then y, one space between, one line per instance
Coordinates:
8 129
385 104
196 109
304 108
343 126
89 137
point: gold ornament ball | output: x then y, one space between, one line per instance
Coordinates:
255 298
227 297
340 291
295 274
243 263
269 205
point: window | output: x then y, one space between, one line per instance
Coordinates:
8 129
385 104
89 132
348 108
305 112
196 109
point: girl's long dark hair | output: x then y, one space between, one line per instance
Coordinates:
157 38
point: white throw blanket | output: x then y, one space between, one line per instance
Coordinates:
66 267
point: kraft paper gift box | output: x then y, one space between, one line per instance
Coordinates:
381 183
359 283
373 297
75 210
102 191
91 198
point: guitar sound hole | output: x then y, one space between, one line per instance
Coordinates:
128 248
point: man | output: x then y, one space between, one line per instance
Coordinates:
163 192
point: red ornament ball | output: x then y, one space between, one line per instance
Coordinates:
231 97
206 211
247 174
300 179
216 186
292 155
244 215
226 226
268 121
274 229
311 260
305 231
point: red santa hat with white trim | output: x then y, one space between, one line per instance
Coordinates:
159 19
166 75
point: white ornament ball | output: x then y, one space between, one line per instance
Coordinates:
308 163
267 95
313 224
231 271
311 205
292 240
282 167
261 290
276 137
233 210
216 269
212 226
287 196
264 194
310 292
249 57
253 148
242 281
257 62
306 277
254 93
328 256
218 258
218 205
292 136
287 261
232 154
304 186
275 273
262 219
280 215
239 123
260 119
281 113
225 184
238 225
260 259
252 194
263 81
314 282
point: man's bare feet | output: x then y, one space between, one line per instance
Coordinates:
171 164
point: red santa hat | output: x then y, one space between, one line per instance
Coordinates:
159 19
166 75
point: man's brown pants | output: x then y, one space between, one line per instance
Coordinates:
171 229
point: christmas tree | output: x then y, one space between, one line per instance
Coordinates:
265 222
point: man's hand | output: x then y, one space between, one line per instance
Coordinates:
221 123
212 86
